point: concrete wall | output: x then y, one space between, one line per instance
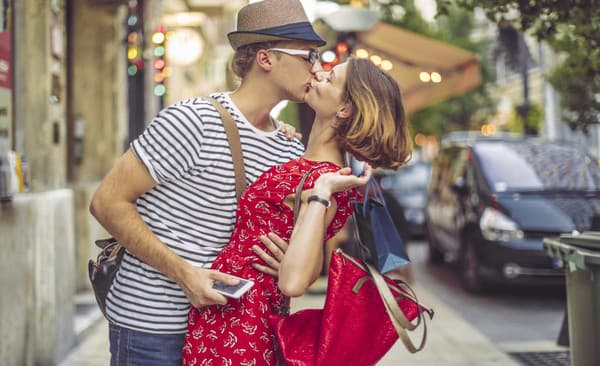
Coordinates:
37 278
98 83
40 90
42 263
97 100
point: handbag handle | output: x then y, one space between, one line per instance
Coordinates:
299 188
399 320
374 186
233 137
397 317
363 250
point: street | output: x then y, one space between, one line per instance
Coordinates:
501 327
513 318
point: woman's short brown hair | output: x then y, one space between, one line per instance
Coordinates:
243 59
377 131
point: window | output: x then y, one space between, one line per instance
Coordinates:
537 166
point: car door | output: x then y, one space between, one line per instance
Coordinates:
433 208
448 212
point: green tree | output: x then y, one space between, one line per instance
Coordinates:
572 29
529 126
468 111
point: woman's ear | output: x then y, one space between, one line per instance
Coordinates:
345 111
263 60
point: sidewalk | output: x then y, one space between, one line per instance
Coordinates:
451 341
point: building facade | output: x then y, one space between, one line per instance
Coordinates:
69 105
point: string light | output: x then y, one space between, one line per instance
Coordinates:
135 63
158 39
362 53
375 59
386 65
328 56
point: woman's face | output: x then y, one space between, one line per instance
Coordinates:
324 96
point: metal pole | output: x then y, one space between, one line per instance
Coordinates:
136 85
549 100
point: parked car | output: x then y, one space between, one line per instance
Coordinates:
492 200
406 194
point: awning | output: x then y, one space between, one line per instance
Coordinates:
411 54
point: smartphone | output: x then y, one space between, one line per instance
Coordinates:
235 291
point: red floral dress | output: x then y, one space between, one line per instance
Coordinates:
238 334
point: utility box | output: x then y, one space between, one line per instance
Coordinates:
581 257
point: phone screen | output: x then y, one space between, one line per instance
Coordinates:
235 290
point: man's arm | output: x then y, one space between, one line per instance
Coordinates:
113 205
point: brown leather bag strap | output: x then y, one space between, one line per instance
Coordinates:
298 200
399 321
233 137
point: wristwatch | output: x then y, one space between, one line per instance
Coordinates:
316 198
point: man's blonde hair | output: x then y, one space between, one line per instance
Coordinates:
244 57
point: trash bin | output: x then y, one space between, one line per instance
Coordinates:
581 257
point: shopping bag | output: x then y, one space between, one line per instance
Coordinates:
364 315
379 242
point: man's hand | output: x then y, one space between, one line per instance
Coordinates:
198 285
277 247
289 131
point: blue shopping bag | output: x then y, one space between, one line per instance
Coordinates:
379 242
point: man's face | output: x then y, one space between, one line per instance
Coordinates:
325 94
294 73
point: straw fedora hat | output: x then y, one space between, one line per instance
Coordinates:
272 20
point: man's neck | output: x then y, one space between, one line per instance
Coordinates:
256 102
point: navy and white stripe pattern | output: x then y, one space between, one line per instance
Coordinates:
192 209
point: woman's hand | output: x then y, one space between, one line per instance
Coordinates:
330 183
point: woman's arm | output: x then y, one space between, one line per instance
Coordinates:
303 260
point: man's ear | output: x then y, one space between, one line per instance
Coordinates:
263 60
345 111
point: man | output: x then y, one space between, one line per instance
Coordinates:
170 199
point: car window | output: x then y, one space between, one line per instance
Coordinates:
531 166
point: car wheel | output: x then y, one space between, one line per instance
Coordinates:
435 255
470 268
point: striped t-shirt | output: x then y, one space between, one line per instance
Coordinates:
192 209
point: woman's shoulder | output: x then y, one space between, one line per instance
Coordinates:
293 171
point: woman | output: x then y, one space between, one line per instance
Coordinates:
358 109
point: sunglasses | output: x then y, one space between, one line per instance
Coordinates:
309 55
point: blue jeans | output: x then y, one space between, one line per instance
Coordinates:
132 348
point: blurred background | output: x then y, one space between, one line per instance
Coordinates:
503 101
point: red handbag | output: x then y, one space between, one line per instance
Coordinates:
364 315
